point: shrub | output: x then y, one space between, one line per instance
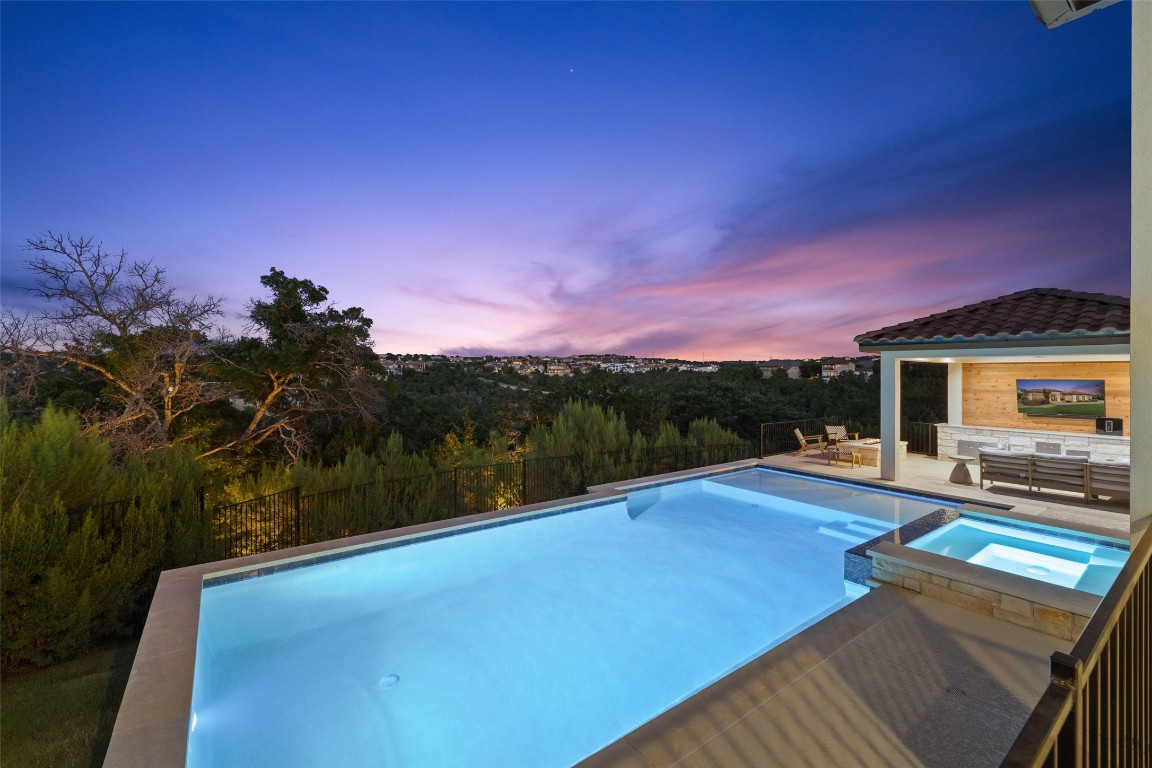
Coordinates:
51 457
44 571
74 572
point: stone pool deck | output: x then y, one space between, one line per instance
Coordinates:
894 680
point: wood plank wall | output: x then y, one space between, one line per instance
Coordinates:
990 393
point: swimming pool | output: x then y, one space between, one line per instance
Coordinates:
1044 554
535 642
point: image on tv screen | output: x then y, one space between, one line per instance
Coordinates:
1076 398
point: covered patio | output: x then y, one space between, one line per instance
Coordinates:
1041 334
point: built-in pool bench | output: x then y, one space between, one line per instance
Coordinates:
1040 471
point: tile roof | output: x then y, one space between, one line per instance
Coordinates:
1035 314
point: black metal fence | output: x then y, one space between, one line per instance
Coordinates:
1097 710
291 518
109 515
624 465
780 436
263 524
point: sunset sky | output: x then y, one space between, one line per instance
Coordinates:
703 181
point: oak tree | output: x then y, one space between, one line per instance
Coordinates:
305 361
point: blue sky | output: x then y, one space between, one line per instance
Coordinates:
721 181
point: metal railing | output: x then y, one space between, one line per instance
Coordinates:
259 525
291 518
623 465
779 436
109 515
1097 710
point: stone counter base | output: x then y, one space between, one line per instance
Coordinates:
953 439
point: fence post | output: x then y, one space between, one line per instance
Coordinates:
207 526
523 481
580 469
220 545
296 508
456 492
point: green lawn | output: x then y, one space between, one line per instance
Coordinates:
1065 409
62 716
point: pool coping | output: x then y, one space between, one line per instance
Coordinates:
152 724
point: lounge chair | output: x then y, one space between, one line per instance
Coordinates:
817 443
836 434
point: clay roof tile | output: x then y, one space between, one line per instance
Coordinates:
1039 312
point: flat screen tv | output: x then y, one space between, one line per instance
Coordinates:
1062 398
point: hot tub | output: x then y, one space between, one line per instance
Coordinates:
1053 555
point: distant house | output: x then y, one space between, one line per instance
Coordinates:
1032 396
1060 396
558 369
523 366
832 367
790 367
865 366
1036 396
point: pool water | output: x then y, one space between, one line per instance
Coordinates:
1041 554
888 509
532 643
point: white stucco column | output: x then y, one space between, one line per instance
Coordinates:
956 393
889 416
1141 371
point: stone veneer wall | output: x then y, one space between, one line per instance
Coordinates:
1058 622
1024 440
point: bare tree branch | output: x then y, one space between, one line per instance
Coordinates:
159 358
121 322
